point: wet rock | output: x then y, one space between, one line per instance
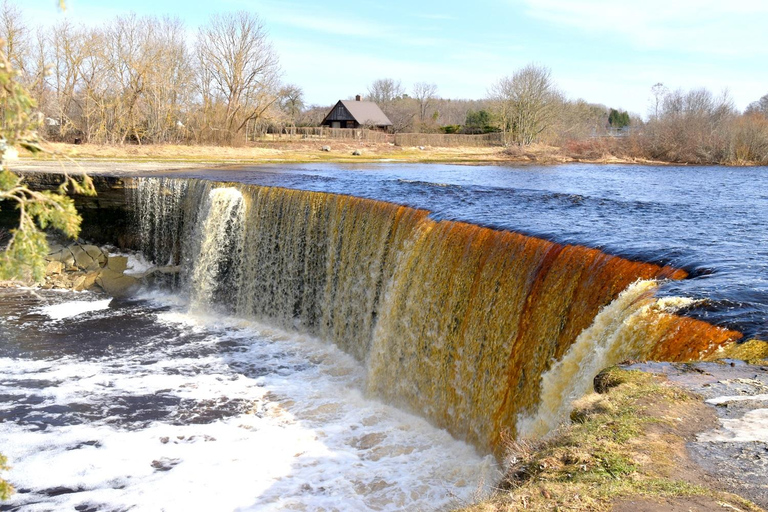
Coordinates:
117 284
164 463
117 263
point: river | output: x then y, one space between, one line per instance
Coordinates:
318 349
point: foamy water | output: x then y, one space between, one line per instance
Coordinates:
181 412
73 308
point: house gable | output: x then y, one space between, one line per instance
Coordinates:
338 113
356 113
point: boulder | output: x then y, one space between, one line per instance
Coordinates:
117 284
357 152
54 247
83 260
117 263
64 256
54 267
325 148
85 281
96 254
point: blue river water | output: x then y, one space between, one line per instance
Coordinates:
711 221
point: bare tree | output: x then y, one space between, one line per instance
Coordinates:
385 90
527 103
14 34
759 107
291 102
692 126
67 54
425 94
659 91
241 68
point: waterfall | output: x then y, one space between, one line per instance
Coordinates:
480 331
220 236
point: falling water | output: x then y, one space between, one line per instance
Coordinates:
220 242
478 330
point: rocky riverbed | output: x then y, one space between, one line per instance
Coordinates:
81 266
735 452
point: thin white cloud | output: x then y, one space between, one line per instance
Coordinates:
351 27
702 26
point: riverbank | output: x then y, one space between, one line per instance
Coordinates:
325 151
647 441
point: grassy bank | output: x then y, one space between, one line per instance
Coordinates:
624 450
342 152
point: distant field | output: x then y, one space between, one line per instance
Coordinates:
297 152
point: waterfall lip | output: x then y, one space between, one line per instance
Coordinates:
662 260
408 294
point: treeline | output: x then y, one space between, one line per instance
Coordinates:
136 79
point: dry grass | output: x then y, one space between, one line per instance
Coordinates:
627 443
307 152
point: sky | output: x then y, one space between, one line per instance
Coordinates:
609 52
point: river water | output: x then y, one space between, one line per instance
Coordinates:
146 404
139 405
711 221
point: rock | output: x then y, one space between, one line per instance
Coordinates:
54 247
64 256
54 267
82 259
325 148
357 152
85 281
422 148
165 463
96 254
116 284
117 263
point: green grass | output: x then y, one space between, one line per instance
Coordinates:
611 450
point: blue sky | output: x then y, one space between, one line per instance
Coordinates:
611 52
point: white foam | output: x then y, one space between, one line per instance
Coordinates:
137 264
73 308
305 437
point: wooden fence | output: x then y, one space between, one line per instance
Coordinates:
327 133
324 133
448 140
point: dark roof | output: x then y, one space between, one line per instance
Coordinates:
365 112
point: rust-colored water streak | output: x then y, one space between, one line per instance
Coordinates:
456 322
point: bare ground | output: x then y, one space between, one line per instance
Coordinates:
305 152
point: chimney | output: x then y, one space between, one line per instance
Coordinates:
358 98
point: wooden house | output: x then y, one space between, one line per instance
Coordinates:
354 114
